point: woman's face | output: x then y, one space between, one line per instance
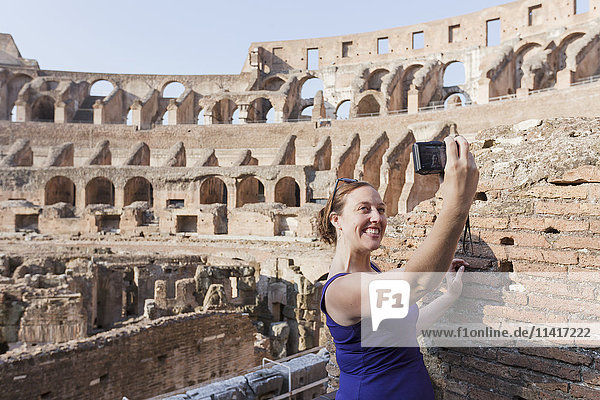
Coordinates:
363 219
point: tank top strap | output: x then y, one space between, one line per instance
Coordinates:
375 268
322 304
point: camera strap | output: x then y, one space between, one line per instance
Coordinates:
467 250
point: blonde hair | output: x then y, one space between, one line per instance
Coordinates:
335 205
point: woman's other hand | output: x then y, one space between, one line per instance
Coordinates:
454 282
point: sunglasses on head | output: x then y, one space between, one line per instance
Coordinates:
338 180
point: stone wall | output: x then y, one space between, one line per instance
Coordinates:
535 214
138 361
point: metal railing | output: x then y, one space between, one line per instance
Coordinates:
367 115
501 98
540 91
585 81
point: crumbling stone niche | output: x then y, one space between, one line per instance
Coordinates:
213 190
100 190
59 189
287 192
43 109
138 189
250 190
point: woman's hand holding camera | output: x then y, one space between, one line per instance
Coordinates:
460 176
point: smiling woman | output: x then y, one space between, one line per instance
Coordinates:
354 220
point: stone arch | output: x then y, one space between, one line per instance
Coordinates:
100 190
287 192
14 86
43 109
213 190
342 111
138 189
101 88
222 111
407 80
273 83
455 99
258 109
309 86
368 105
520 55
561 54
59 189
172 90
250 190
374 80
454 74
306 112
200 117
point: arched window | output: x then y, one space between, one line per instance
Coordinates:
368 106
59 189
223 112
43 109
250 190
343 110
173 90
271 116
101 88
213 190
164 120
306 113
200 120
129 118
100 190
310 87
287 192
138 189
375 78
257 112
454 74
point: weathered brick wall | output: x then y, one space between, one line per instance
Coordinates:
537 211
138 361
563 103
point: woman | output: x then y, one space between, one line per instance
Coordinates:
354 220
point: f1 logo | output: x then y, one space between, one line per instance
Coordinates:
388 299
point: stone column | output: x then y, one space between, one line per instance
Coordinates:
243 115
60 112
80 196
98 112
172 109
208 117
483 93
270 191
413 100
23 111
564 79
136 114
119 197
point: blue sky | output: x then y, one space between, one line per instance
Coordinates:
194 37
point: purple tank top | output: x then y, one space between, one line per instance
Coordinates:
377 372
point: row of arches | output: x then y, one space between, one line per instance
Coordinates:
101 190
516 71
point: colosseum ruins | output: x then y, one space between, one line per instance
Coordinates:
163 246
